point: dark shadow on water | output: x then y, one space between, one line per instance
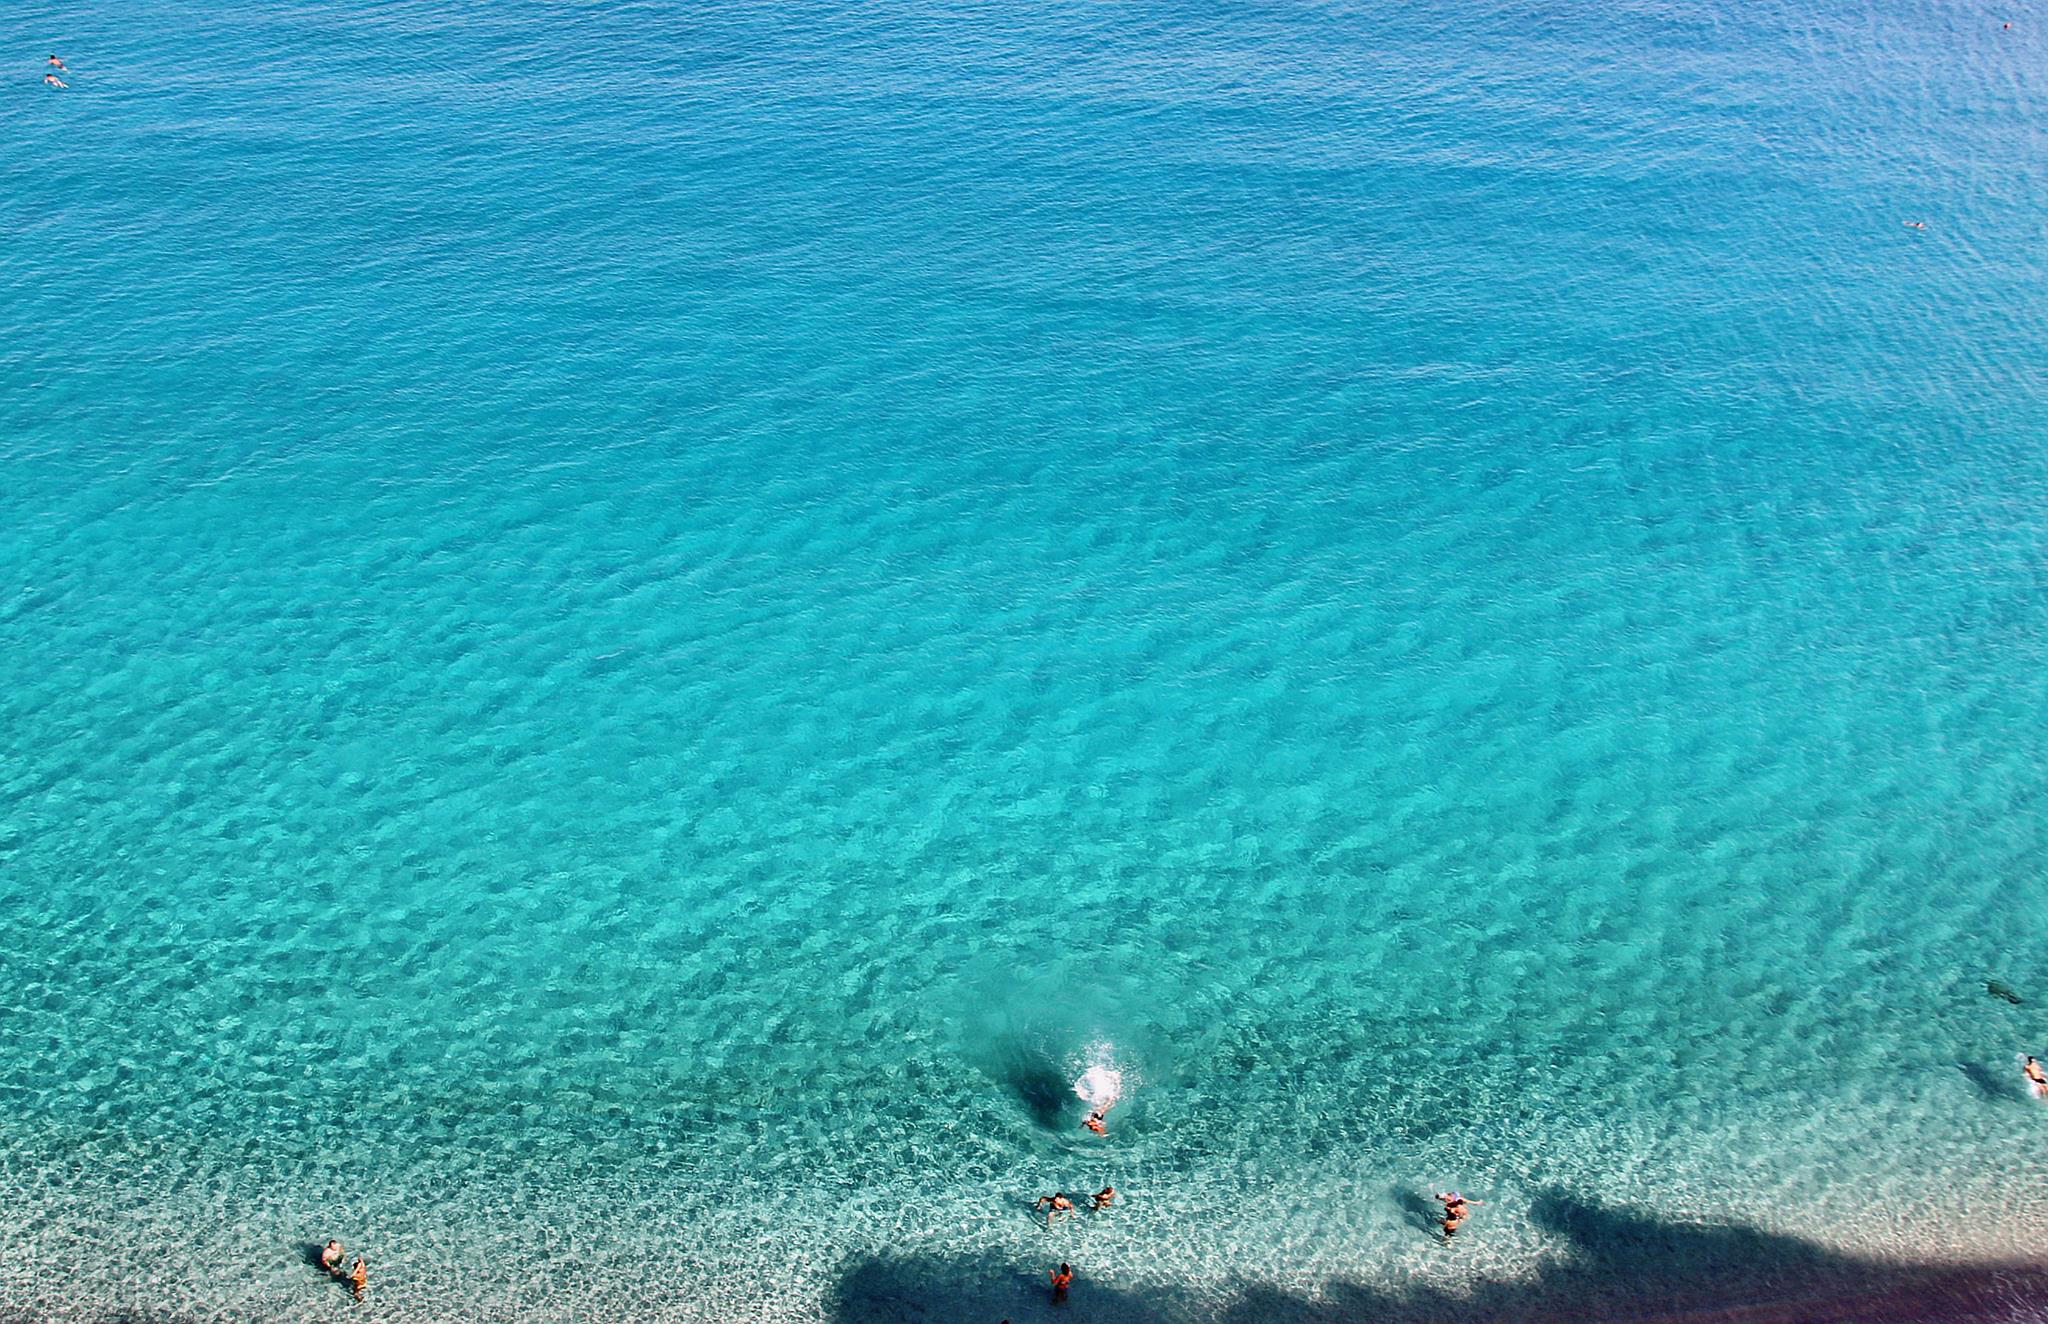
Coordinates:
1998 1086
1043 1091
1616 1265
1418 1209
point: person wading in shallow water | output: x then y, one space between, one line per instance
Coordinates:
1456 1207
359 1276
1058 1202
330 1257
2033 1072
1103 1198
1062 1279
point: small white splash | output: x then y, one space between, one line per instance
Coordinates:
1100 1086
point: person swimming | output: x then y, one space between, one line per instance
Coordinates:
1916 225
56 63
1456 1208
1054 1205
359 1276
2032 1071
1062 1279
1093 1121
330 1257
1103 1198
55 81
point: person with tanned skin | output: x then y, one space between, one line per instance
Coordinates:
2032 1071
330 1257
1054 1205
1062 1279
359 1276
1455 1210
1103 1198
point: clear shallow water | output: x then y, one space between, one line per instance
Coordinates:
632 633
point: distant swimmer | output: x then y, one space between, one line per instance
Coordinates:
1093 1121
1916 225
56 63
330 1257
2038 1077
1054 1205
55 81
1105 1197
359 1276
1456 1208
1062 1279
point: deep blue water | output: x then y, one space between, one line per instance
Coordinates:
632 632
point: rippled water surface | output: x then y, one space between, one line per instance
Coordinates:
633 633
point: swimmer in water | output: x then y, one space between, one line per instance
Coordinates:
1916 225
1054 1205
1456 1207
55 81
359 1276
330 1257
2032 1071
1103 1198
1062 1279
1093 1121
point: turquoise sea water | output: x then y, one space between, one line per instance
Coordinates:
632 632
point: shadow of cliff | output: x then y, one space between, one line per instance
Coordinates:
1617 1265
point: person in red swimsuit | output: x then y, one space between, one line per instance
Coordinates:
1062 1279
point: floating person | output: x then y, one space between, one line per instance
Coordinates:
55 81
1054 1205
330 1257
2032 1070
56 63
1456 1208
359 1276
1062 1279
1105 1197
1100 1087
1916 225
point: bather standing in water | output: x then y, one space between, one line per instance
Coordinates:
1058 1202
1456 1208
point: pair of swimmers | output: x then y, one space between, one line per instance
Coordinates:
1456 1208
1059 1202
358 1275
56 67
